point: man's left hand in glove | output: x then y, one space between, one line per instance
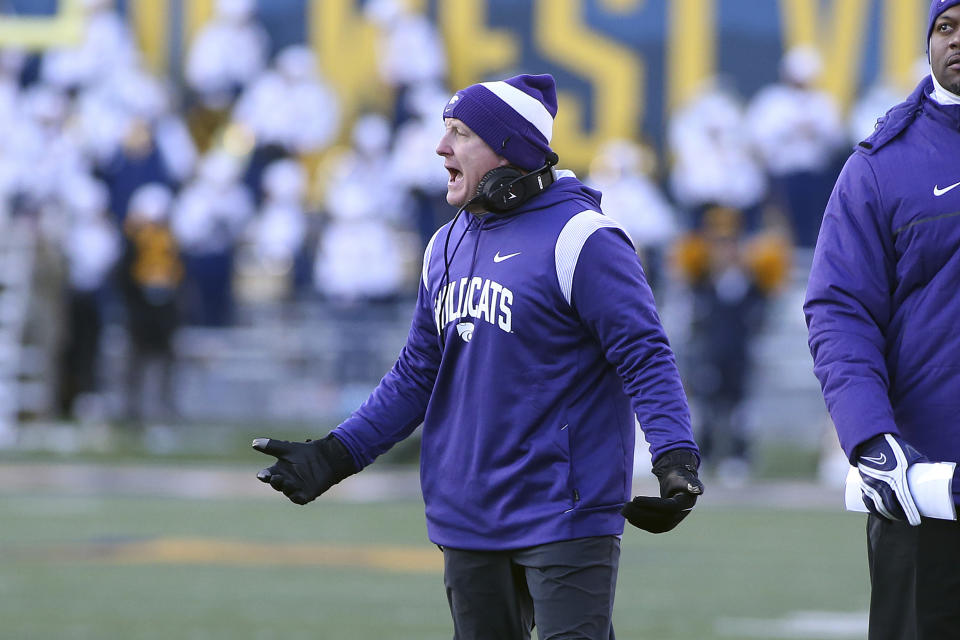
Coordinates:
883 462
679 487
304 470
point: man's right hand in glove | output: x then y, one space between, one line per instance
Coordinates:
883 461
304 470
679 488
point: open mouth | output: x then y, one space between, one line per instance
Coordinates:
455 175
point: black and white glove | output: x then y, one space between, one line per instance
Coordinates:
679 487
304 470
883 461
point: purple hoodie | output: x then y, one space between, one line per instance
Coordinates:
551 345
883 300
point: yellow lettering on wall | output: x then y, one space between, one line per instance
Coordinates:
691 48
903 41
614 71
840 40
620 6
346 48
196 13
63 29
151 26
799 21
473 50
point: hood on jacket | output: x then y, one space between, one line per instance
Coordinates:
896 119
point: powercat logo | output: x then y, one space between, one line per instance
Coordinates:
477 298
465 331
451 104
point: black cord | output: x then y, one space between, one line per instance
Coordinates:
446 265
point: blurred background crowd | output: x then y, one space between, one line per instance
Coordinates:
237 243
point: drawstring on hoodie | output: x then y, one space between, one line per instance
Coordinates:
447 261
476 248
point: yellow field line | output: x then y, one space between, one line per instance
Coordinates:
205 551
232 553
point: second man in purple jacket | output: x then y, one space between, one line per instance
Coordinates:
882 309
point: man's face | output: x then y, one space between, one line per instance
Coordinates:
945 49
467 158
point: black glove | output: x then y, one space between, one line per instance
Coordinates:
883 461
304 470
679 488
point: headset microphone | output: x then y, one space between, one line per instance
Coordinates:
505 188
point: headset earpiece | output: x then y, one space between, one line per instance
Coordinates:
497 190
505 188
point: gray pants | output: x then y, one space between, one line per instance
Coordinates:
564 588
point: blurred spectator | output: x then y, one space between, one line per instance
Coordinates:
44 155
713 164
226 55
107 45
146 98
137 162
362 257
11 64
797 130
410 52
290 111
274 242
152 273
208 218
730 277
129 98
623 172
100 123
413 160
364 261
91 248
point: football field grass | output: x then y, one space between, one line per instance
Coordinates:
114 566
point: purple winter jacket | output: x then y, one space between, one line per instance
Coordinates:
883 299
551 346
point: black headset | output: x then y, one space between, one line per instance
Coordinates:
499 191
504 189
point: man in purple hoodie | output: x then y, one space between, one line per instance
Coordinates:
534 347
881 309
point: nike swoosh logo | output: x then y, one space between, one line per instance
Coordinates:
500 258
882 459
937 191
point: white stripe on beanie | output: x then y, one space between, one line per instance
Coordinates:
526 105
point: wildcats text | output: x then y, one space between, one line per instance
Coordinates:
478 298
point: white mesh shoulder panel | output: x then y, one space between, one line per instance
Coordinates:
570 242
426 259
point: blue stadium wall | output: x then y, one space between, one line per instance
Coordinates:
621 65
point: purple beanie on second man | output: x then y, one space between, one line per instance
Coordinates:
936 8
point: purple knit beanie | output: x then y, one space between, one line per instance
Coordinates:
513 116
936 8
